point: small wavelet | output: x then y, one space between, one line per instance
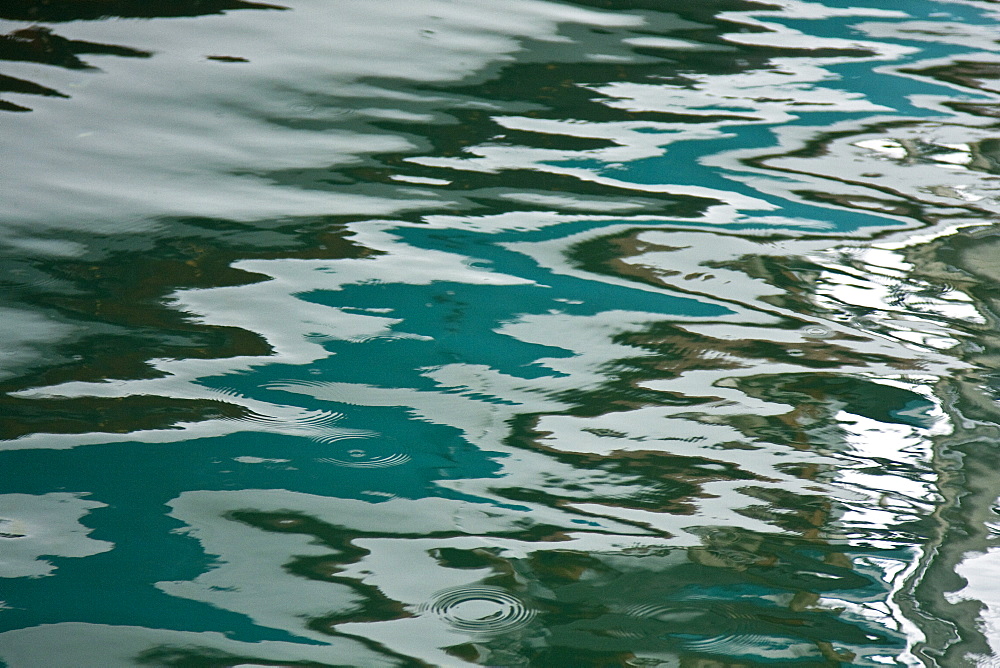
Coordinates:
19 280
480 609
816 331
748 645
343 434
370 453
360 459
662 613
622 271
318 419
318 424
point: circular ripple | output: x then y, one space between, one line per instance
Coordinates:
343 434
738 645
363 461
480 609
367 453
817 332
284 418
622 633
311 420
664 613
28 280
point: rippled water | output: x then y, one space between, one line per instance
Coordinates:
522 333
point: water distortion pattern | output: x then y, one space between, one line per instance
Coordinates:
535 333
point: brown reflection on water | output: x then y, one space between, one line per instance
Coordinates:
965 73
821 379
964 261
617 609
118 300
608 608
376 606
118 293
602 609
118 415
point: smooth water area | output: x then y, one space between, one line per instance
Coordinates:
522 333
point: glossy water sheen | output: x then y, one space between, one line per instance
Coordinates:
522 333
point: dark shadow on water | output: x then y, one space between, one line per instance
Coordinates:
39 44
58 11
116 297
13 85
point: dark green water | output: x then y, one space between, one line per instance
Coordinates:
522 333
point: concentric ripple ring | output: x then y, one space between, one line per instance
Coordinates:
480 609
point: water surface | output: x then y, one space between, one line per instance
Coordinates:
449 333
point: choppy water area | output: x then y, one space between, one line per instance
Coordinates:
458 332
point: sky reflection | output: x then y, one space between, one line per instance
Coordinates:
444 334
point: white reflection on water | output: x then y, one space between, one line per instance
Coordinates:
290 327
107 646
979 571
45 525
399 536
27 337
206 140
206 128
480 609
